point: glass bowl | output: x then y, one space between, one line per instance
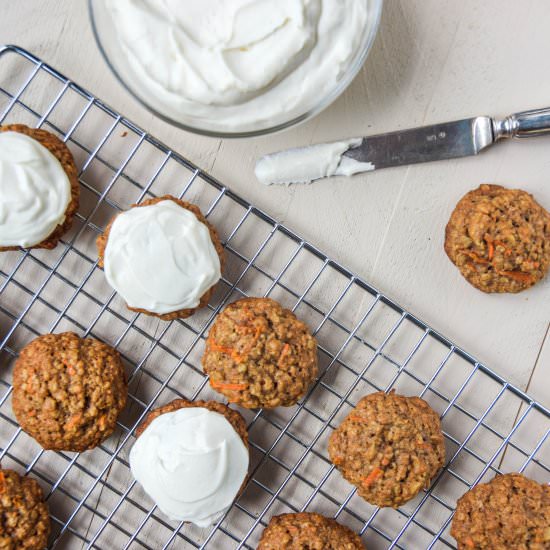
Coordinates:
105 34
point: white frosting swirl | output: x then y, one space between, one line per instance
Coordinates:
192 463
34 191
236 65
160 258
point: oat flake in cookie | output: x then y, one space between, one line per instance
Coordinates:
68 391
192 459
509 512
308 531
39 188
24 519
390 447
499 239
162 257
258 354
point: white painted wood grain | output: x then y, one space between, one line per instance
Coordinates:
434 60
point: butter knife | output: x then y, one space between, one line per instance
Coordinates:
448 140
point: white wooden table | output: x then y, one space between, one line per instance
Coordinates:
433 60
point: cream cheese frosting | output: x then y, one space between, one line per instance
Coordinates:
192 463
160 258
237 65
34 191
307 164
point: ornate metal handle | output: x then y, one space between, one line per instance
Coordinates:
524 124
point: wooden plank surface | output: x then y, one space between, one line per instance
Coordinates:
434 60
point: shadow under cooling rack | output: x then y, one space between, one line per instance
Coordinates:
366 343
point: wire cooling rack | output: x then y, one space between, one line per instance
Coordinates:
366 343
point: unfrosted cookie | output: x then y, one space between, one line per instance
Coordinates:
308 531
162 256
68 391
191 457
258 354
390 447
24 519
511 511
39 188
499 239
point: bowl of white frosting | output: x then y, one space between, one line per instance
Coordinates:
235 68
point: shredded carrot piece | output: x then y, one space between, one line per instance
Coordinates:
372 477
470 543
102 421
337 460
2 482
517 276
284 353
229 351
73 421
70 371
223 349
356 418
476 258
491 252
228 386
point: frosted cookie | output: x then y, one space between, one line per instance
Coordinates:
38 188
192 459
162 257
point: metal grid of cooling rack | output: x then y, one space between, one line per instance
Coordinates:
366 343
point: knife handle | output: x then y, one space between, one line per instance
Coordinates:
522 125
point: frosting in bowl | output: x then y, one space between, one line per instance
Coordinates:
160 258
34 191
237 65
192 463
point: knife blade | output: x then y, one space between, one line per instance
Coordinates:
461 138
448 140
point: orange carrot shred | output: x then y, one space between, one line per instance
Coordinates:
223 349
229 351
517 276
491 252
356 418
102 421
228 386
469 543
73 420
284 353
476 258
372 477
